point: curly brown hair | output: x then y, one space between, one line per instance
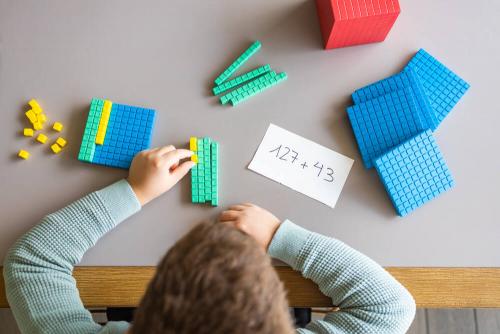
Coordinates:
216 279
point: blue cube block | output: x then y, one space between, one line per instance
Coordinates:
443 87
126 135
384 122
404 79
414 172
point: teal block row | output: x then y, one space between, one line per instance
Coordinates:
241 79
238 62
198 176
260 80
215 173
204 178
87 148
254 88
207 167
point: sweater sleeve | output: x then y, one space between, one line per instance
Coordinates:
370 300
40 288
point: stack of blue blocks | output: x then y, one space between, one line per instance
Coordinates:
393 121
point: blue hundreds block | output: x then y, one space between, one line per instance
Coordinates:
384 122
443 87
414 172
129 132
404 79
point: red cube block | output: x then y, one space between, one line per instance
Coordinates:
353 22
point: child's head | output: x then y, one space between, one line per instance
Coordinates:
216 279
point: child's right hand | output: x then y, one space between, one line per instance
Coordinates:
253 220
155 171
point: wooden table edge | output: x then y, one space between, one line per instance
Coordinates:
430 286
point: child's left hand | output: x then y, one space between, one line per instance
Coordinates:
252 220
155 171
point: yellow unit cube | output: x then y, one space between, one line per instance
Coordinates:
28 132
23 154
41 138
35 106
55 148
193 144
61 141
42 118
37 126
57 126
194 158
31 116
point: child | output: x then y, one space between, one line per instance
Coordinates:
216 279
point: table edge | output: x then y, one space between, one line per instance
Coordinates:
432 287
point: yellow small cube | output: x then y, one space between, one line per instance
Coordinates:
99 140
41 138
28 132
42 118
31 116
55 148
35 106
23 154
57 126
61 141
37 126
193 144
194 158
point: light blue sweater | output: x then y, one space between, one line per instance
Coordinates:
44 298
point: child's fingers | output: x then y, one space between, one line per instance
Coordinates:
180 171
234 224
146 151
229 215
165 149
174 166
174 156
231 223
238 207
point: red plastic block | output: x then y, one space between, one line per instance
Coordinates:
353 22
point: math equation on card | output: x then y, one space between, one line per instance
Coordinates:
285 153
302 165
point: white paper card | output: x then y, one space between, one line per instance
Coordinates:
302 165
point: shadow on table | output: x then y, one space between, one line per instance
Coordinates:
295 30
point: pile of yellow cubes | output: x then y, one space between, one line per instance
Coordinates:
37 118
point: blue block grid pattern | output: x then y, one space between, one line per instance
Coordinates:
384 122
404 79
414 172
129 132
443 87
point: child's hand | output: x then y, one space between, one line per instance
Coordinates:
253 220
155 171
